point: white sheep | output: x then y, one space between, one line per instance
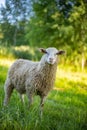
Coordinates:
33 77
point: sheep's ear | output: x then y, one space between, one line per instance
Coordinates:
60 52
42 50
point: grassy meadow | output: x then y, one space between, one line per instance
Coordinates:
64 109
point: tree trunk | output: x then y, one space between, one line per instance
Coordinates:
83 62
15 36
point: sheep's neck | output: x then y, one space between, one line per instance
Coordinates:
49 70
48 73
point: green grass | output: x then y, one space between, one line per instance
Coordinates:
64 109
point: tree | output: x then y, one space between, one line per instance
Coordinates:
78 20
44 26
13 14
59 23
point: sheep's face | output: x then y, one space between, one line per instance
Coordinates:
51 54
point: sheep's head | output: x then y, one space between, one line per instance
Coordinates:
51 54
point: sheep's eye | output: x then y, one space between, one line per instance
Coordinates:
47 53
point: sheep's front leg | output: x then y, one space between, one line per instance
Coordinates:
43 98
22 98
8 91
30 96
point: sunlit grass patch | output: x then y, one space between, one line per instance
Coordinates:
75 76
69 79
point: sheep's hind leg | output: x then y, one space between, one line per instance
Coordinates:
8 91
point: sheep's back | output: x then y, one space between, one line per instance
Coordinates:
19 72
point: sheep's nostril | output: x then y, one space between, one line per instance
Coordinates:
51 59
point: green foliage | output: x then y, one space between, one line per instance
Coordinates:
43 29
49 27
58 24
12 34
61 24
54 25
69 34
71 59
14 16
14 52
